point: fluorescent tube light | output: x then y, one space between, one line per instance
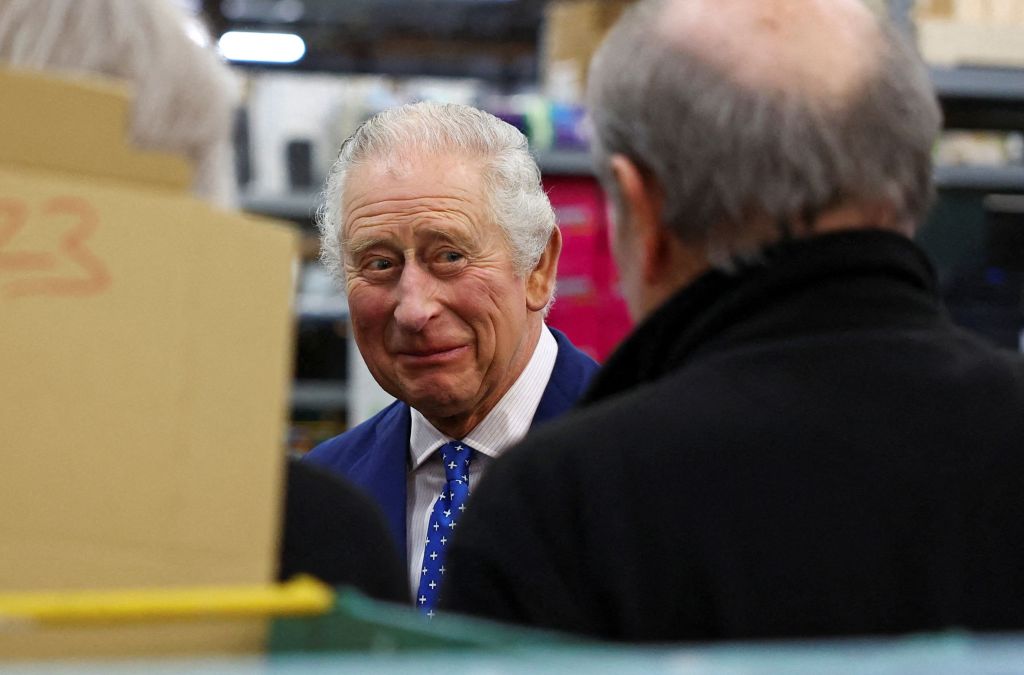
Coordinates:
261 47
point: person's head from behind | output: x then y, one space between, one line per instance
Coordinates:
435 221
183 96
725 125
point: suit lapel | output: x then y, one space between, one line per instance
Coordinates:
569 377
382 469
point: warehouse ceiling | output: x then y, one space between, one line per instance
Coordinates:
492 39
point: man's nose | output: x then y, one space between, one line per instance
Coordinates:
417 298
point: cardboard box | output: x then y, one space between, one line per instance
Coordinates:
145 352
960 43
934 9
971 11
573 30
971 32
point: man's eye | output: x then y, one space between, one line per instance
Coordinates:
379 264
451 257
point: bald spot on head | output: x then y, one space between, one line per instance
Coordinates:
819 49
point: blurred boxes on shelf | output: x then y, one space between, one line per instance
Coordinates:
588 307
971 32
572 31
980 11
979 148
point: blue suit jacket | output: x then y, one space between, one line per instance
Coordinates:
375 454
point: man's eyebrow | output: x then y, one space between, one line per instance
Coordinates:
356 247
456 238
359 246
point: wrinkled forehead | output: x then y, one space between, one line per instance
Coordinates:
820 49
415 175
438 189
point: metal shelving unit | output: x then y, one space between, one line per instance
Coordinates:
291 205
980 84
973 98
981 98
565 163
315 395
576 163
982 178
302 205
322 307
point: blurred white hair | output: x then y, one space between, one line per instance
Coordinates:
184 95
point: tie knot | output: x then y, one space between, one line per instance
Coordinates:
456 456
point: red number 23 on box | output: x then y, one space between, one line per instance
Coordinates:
32 273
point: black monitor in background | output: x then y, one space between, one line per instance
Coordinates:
299 160
243 158
1004 220
989 299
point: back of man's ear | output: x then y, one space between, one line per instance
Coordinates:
540 284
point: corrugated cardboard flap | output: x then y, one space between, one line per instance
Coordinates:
78 126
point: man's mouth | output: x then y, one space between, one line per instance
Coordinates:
430 355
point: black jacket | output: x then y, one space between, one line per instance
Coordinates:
335 532
805 448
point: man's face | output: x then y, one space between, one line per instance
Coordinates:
440 316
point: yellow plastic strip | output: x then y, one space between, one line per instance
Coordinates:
300 596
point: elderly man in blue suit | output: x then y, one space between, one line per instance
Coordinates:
435 221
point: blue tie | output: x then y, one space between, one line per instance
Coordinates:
447 509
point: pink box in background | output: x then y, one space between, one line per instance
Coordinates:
588 308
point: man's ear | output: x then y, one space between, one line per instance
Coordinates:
540 283
643 206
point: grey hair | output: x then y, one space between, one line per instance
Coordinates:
723 152
184 95
516 198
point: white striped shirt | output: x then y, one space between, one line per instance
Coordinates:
507 422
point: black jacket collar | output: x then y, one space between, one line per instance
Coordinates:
806 283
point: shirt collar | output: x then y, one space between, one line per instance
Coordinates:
507 422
